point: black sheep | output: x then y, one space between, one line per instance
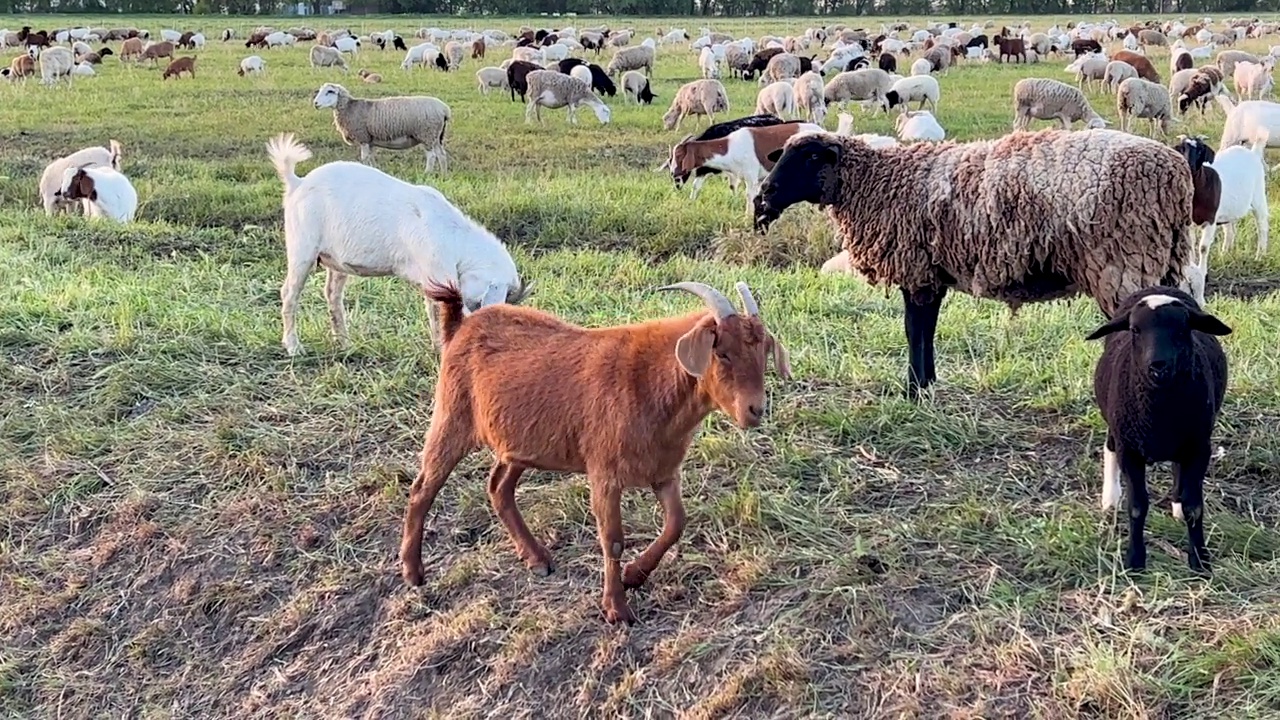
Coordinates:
1160 383
600 81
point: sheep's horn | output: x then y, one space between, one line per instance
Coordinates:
718 304
748 301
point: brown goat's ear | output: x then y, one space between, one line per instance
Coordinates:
1118 323
693 349
781 359
1208 324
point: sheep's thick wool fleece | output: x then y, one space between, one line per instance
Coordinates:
1028 217
364 123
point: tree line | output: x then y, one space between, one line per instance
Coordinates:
960 9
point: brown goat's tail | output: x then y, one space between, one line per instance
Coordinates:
449 298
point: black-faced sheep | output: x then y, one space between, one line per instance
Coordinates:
1010 219
1160 383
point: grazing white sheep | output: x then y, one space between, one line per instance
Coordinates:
104 191
357 220
395 123
55 63
708 64
552 89
809 97
252 65
423 54
347 45
917 88
919 125
699 97
322 56
1138 98
491 77
778 98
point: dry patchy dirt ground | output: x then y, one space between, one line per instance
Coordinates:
193 525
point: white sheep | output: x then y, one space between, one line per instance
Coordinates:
1138 98
423 54
921 67
322 56
357 220
1090 67
252 65
552 89
917 88
919 125
809 97
280 39
699 97
633 58
55 63
1253 80
636 86
103 191
395 123
51 178
1046 99
1117 71
347 45
708 64
778 98
491 77
866 85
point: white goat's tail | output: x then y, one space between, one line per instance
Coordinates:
115 154
1259 147
286 153
845 126
1226 103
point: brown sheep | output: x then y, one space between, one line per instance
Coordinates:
477 48
95 58
155 51
259 39
1145 69
1011 48
369 77
131 48
20 67
623 408
186 42
179 66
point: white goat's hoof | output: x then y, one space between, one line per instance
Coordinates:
1177 511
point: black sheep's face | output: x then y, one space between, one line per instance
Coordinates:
807 171
1159 327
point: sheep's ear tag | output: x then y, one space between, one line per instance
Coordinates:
693 349
1117 324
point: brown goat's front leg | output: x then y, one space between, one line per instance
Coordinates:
606 503
638 570
502 495
444 449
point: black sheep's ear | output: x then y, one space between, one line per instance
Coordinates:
775 156
1118 323
1208 324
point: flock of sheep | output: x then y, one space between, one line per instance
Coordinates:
1011 219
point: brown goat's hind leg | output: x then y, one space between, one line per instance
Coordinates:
447 443
637 571
502 494
606 504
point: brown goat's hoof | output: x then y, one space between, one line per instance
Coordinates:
633 577
618 611
543 569
412 574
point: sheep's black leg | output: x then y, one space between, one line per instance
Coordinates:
1188 480
1134 468
920 318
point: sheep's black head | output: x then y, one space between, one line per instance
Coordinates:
892 99
646 95
807 170
1195 149
1160 323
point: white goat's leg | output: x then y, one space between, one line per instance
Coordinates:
334 283
1206 242
1262 215
1228 237
295 280
697 186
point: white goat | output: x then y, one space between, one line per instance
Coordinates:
105 192
1243 174
357 220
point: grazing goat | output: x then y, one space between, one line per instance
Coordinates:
1160 383
620 404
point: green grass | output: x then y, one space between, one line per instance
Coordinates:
192 524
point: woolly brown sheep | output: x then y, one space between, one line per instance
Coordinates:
179 66
1012 219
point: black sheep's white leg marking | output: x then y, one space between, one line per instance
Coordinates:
1110 475
1188 484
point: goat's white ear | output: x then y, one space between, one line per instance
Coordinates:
693 349
494 295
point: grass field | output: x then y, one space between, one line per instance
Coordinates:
192 524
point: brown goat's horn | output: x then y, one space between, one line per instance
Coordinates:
748 301
718 304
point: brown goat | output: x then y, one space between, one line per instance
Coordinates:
179 66
477 48
155 51
186 42
20 67
1011 48
131 48
620 404
1145 69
